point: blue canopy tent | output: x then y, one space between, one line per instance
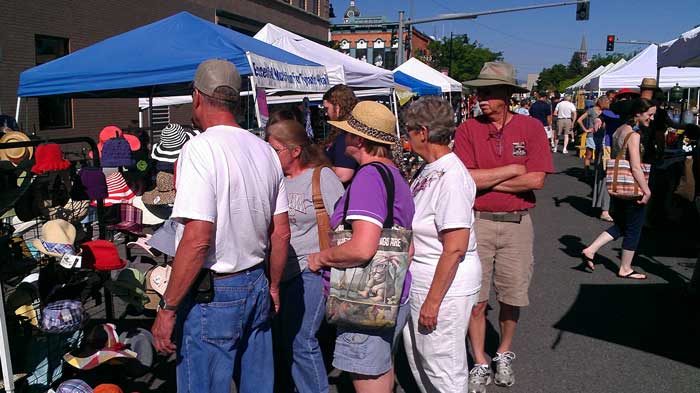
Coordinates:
416 85
155 60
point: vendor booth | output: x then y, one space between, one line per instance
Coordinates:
54 203
682 52
424 72
644 65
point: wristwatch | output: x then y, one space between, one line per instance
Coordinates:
162 305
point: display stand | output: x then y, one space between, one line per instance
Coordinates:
5 356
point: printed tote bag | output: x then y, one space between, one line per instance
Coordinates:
367 297
618 175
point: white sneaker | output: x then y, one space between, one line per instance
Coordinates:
479 377
554 150
564 151
504 370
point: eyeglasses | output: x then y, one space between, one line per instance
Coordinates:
278 151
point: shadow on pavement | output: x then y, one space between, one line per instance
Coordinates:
654 318
583 205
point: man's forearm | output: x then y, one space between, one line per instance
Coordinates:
279 248
522 183
189 259
488 178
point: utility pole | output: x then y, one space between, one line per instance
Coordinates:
450 69
469 15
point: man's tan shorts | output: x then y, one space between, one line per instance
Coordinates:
505 250
564 126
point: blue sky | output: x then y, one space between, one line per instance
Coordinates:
539 38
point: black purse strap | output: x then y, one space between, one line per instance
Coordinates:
388 179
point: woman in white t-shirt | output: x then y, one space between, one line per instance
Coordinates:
445 267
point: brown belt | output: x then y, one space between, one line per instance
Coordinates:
514 217
219 276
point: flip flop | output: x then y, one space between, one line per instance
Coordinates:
606 218
587 263
630 274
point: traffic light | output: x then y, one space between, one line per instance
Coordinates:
610 43
583 10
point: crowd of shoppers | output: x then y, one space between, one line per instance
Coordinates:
245 306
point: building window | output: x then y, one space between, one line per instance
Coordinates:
361 44
390 59
54 111
313 7
378 43
344 44
300 3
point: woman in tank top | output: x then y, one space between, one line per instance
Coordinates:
628 214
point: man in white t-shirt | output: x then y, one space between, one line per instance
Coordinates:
565 112
232 202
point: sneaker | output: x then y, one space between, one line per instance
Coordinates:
504 371
554 150
564 151
479 377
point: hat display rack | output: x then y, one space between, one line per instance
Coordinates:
65 284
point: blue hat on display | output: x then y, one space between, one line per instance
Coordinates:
116 152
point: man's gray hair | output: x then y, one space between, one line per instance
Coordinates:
433 113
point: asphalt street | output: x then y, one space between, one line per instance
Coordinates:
595 332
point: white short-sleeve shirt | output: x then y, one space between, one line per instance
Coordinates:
565 110
232 178
444 194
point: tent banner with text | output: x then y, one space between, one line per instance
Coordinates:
272 74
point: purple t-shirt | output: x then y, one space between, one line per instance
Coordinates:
368 203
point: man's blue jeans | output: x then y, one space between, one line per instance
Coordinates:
301 313
228 339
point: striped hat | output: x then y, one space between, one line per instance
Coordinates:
99 346
117 190
172 138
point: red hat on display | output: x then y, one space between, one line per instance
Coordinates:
49 157
627 91
101 255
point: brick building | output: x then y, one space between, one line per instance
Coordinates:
374 39
38 31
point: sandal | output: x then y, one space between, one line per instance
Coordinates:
631 276
606 217
587 263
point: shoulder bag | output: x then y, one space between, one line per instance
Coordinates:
368 297
618 175
323 221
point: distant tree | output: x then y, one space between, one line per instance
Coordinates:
575 66
559 77
550 78
468 57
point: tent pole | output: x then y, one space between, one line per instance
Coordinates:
697 105
150 117
395 106
17 108
7 374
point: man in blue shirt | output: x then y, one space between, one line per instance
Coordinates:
542 111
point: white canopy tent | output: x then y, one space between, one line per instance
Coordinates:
594 83
341 68
644 65
424 72
585 79
682 52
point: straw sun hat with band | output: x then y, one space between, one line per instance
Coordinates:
372 121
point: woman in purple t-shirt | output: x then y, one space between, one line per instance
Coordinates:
370 134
